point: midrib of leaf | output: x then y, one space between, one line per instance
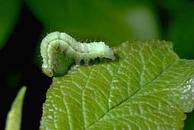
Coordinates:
111 81
135 93
111 108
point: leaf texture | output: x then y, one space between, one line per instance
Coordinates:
147 87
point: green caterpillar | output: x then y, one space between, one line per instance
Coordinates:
59 50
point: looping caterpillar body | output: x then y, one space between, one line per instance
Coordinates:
58 50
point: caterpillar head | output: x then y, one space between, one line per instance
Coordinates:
58 66
47 71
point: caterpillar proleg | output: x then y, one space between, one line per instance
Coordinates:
59 50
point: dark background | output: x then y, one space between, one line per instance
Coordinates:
20 62
17 69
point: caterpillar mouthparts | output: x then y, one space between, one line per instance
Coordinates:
59 50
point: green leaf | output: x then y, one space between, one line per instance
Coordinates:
147 87
15 114
9 10
114 21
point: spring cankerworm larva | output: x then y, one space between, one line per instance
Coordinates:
58 45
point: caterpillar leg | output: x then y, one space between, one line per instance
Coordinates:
77 61
73 68
86 61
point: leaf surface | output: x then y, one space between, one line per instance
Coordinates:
147 87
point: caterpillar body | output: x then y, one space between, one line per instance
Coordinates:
59 50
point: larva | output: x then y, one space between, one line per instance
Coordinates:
59 50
